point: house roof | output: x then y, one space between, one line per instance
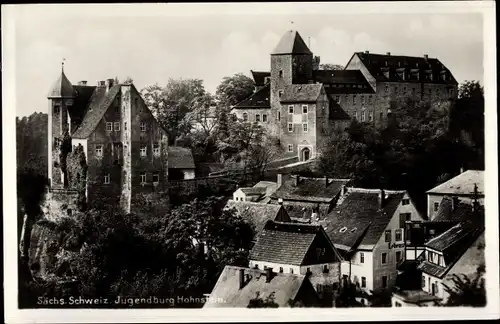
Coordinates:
291 43
463 184
99 104
180 158
377 63
339 76
259 77
257 214
309 189
227 292
336 111
358 218
453 243
82 95
301 93
62 88
460 212
253 191
415 296
285 243
258 99
270 187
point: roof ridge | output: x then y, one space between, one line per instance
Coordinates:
367 190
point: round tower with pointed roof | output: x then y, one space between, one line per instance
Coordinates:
60 97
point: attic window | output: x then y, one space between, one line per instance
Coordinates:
343 229
354 229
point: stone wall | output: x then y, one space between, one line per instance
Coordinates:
58 202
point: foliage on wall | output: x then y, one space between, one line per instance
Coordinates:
76 169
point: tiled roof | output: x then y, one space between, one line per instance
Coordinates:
336 111
339 76
257 214
301 93
285 243
62 88
377 63
259 99
80 102
99 104
460 212
180 158
463 184
259 77
451 237
358 218
227 292
309 189
291 43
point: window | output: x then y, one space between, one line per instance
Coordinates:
156 177
279 115
363 282
363 116
370 99
281 73
362 100
143 177
290 147
291 270
264 118
256 266
143 127
257 117
370 118
98 150
290 127
304 109
245 117
325 268
308 270
156 148
109 126
388 235
440 260
280 93
337 99
107 178
399 235
354 99
356 115
56 109
290 109
386 89
403 218
343 229
361 257
384 257
398 256
384 281
436 288
304 127
397 304
125 126
117 126
423 281
117 109
405 201
281 269
430 257
436 206
346 99
143 151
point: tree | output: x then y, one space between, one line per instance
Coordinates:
328 66
173 103
467 290
128 80
234 89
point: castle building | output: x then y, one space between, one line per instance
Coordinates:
301 104
124 146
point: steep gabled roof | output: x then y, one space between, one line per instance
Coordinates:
80 103
378 63
463 184
336 111
227 291
180 158
291 43
99 104
259 99
301 93
62 88
259 77
257 214
339 76
309 189
285 243
358 218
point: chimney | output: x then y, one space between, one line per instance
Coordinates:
280 179
426 56
454 203
83 83
381 199
367 52
109 84
101 83
269 274
242 278
461 170
388 53
280 201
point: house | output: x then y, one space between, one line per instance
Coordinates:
463 187
259 192
124 146
258 214
457 251
302 196
367 227
295 248
301 104
180 163
242 287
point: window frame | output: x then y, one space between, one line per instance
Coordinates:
337 99
305 128
405 201
354 99
383 258
107 178
398 253
116 126
363 282
436 206
290 147
290 127
56 109
398 233
144 149
370 116
156 150
245 117
143 127
109 126
361 257
388 236
264 118
156 174
292 109
143 174
257 118
305 109
99 150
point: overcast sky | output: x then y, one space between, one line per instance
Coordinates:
154 43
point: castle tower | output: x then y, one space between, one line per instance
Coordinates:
60 98
291 63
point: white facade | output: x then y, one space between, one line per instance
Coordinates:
315 269
239 195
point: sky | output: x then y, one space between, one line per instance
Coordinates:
153 43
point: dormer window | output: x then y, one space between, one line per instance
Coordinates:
343 229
